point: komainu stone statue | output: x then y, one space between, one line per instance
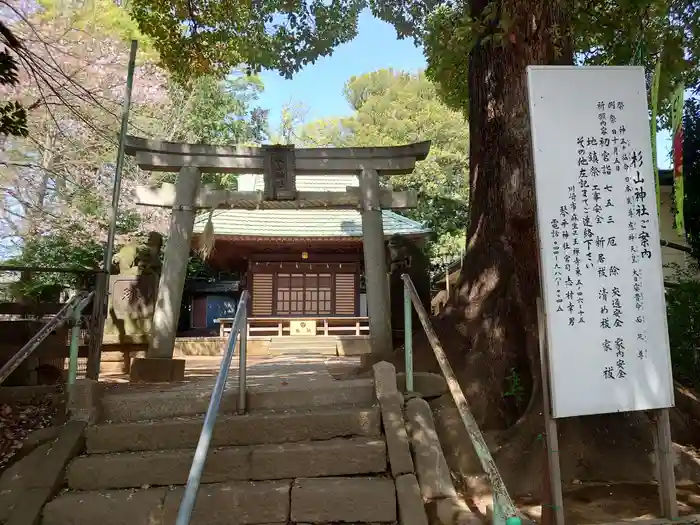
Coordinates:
133 288
139 258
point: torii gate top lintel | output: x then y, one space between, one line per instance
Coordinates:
156 155
280 165
135 145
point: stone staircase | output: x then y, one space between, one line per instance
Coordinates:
300 455
319 345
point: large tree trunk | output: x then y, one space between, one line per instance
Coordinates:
499 282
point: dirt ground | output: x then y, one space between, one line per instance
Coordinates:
18 420
598 503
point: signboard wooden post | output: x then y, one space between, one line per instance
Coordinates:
606 338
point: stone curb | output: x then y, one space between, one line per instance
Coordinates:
46 466
391 403
433 473
431 467
411 508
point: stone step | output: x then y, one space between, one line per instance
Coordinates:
327 349
303 345
234 430
236 503
303 340
336 457
146 406
306 500
349 500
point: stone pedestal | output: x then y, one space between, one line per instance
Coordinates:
131 304
157 370
85 400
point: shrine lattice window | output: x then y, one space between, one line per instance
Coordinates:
304 294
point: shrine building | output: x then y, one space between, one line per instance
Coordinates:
303 268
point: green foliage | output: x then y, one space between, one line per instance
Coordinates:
602 33
448 247
199 269
638 31
61 179
220 112
13 119
607 33
406 257
683 300
683 310
394 108
515 386
691 172
195 38
212 37
72 249
445 40
104 16
208 110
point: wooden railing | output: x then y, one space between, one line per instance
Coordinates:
314 326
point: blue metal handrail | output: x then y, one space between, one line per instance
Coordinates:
504 510
239 328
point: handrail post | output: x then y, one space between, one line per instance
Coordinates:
408 335
74 343
200 454
242 359
76 317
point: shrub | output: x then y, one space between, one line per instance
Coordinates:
683 312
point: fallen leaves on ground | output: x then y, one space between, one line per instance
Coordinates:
18 420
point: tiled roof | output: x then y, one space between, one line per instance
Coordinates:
302 223
303 182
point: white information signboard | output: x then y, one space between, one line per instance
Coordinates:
599 240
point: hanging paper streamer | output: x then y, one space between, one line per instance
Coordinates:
654 115
677 129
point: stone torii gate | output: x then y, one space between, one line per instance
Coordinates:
279 165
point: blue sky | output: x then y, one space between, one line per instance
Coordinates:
319 87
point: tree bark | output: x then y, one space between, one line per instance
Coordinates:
499 282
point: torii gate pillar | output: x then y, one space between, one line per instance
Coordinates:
377 284
175 259
159 364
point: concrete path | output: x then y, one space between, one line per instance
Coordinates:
289 371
